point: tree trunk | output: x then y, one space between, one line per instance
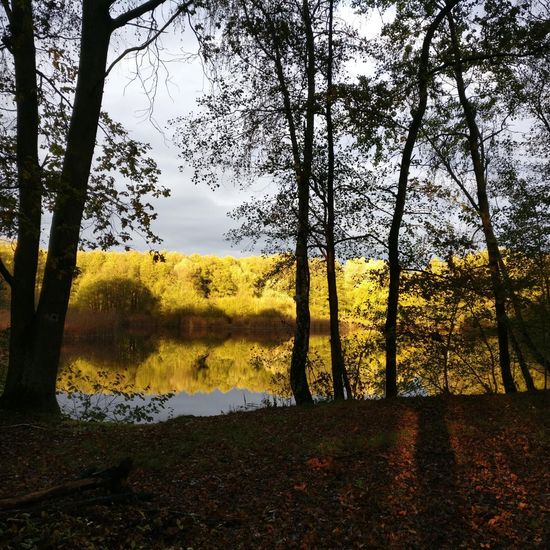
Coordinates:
339 378
298 364
23 282
529 384
390 329
35 388
474 144
36 338
538 355
447 349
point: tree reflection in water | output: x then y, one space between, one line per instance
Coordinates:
211 375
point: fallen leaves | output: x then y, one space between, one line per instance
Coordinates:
427 473
320 463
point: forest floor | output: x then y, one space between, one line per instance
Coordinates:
456 472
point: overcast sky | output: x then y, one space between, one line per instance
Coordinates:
194 219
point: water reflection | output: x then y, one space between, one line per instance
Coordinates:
208 375
219 373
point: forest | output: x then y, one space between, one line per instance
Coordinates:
393 156
415 133
446 342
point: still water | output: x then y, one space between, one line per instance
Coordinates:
148 376
202 376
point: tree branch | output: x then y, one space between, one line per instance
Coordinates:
138 11
148 42
363 237
452 174
51 82
8 277
490 56
7 9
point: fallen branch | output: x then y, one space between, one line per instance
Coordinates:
112 479
35 427
114 498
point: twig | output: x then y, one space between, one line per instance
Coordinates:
24 426
148 42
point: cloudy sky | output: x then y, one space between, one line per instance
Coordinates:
194 218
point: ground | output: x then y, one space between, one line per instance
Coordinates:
454 472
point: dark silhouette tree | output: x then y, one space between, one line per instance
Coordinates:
271 103
423 80
37 329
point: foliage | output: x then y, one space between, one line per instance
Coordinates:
123 179
116 294
108 398
284 75
447 341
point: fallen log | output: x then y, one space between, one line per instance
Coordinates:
112 479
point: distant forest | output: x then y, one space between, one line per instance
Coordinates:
194 285
414 131
445 299
448 334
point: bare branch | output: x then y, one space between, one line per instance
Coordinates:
8 277
148 42
52 83
144 8
364 237
452 173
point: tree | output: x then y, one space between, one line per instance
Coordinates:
270 104
481 120
418 112
37 331
118 294
339 376
474 143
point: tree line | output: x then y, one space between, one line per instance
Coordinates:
426 139
446 342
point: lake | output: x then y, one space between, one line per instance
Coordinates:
206 375
143 375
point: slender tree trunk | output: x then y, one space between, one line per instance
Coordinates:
474 144
23 282
302 155
339 377
298 364
539 356
448 341
390 330
529 384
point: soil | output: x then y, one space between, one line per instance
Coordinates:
440 472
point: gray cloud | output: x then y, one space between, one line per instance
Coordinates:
194 219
